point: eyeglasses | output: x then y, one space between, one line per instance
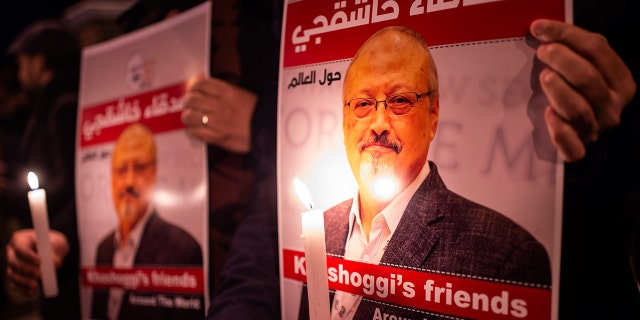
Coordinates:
399 103
136 168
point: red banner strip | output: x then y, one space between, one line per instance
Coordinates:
167 280
320 31
430 291
159 109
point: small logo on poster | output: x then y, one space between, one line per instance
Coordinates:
139 72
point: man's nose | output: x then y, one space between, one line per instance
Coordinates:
129 177
380 118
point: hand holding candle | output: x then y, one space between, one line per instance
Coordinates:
315 253
38 204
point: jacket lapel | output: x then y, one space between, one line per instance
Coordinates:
419 229
337 219
416 235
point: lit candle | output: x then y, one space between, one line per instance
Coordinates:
38 205
315 253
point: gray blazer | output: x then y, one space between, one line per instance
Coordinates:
443 232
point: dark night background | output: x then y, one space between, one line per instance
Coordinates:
17 14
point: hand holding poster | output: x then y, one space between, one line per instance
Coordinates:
142 205
436 104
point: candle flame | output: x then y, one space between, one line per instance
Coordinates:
303 193
33 180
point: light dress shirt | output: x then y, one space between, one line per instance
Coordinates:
123 258
358 248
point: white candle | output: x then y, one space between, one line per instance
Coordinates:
38 204
315 253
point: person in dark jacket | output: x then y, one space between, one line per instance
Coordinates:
48 57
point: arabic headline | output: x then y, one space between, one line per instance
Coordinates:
160 109
429 291
310 78
318 31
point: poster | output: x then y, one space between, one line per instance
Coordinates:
141 180
489 148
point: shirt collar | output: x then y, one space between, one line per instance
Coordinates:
392 213
136 232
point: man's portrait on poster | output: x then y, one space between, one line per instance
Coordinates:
403 213
142 237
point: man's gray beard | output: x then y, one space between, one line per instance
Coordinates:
370 171
127 210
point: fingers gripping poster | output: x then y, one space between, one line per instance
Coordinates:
429 186
141 180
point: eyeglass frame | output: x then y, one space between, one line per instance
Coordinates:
386 104
136 168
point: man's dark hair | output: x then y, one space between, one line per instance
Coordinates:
59 46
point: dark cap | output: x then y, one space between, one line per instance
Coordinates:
50 38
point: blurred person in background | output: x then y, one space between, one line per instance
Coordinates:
48 60
12 119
